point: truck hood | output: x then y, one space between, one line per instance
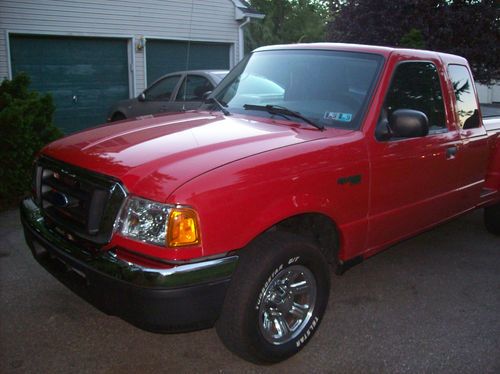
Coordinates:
155 155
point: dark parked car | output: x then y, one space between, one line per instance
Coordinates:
173 92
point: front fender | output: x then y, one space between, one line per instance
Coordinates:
238 201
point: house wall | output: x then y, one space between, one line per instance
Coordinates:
199 20
488 94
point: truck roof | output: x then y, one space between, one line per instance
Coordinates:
384 51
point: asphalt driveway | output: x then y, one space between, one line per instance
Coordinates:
430 304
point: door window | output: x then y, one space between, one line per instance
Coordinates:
193 88
416 85
162 90
466 103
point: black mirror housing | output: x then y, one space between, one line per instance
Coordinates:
408 123
141 97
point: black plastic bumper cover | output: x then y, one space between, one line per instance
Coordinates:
154 308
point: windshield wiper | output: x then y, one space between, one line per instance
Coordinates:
221 106
283 111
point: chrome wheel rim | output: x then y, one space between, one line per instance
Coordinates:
287 305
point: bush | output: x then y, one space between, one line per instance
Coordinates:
25 127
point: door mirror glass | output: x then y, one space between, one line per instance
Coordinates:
408 123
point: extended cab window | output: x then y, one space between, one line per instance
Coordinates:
466 103
193 88
416 85
162 90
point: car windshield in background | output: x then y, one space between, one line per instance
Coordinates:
331 88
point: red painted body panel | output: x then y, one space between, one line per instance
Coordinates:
413 184
244 174
253 194
154 156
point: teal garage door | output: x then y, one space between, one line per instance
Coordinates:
166 56
84 75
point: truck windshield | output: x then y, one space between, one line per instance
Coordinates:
330 88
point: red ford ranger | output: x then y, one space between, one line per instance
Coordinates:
305 158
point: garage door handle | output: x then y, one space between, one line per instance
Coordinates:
75 99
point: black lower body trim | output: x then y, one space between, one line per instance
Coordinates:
342 267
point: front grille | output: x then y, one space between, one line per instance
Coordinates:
75 202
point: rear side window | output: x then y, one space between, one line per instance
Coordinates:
466 103
416 85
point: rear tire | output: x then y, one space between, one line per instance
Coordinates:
492 219
276 299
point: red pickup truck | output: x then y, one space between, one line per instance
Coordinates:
306 158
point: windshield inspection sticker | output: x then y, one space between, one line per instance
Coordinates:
342 117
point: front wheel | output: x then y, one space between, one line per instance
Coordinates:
276 299
492 219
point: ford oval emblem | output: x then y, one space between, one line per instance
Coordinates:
59 199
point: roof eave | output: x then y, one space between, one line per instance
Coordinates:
242 11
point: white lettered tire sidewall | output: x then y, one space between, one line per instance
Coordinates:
239 326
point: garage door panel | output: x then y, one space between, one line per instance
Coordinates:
218 56
84 75
67 117
166 56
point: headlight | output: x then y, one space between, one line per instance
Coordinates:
159 224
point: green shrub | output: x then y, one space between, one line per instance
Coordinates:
412 39
25 127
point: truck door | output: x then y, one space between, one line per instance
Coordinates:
472 157
413 180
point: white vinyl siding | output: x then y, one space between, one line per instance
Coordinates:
197 20
488 94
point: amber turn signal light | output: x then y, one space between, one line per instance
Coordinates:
183 228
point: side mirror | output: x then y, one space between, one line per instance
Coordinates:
141 97
206 95
408 123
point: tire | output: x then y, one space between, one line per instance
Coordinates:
492 219
118 117
263 320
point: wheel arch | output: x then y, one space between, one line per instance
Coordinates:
317 227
